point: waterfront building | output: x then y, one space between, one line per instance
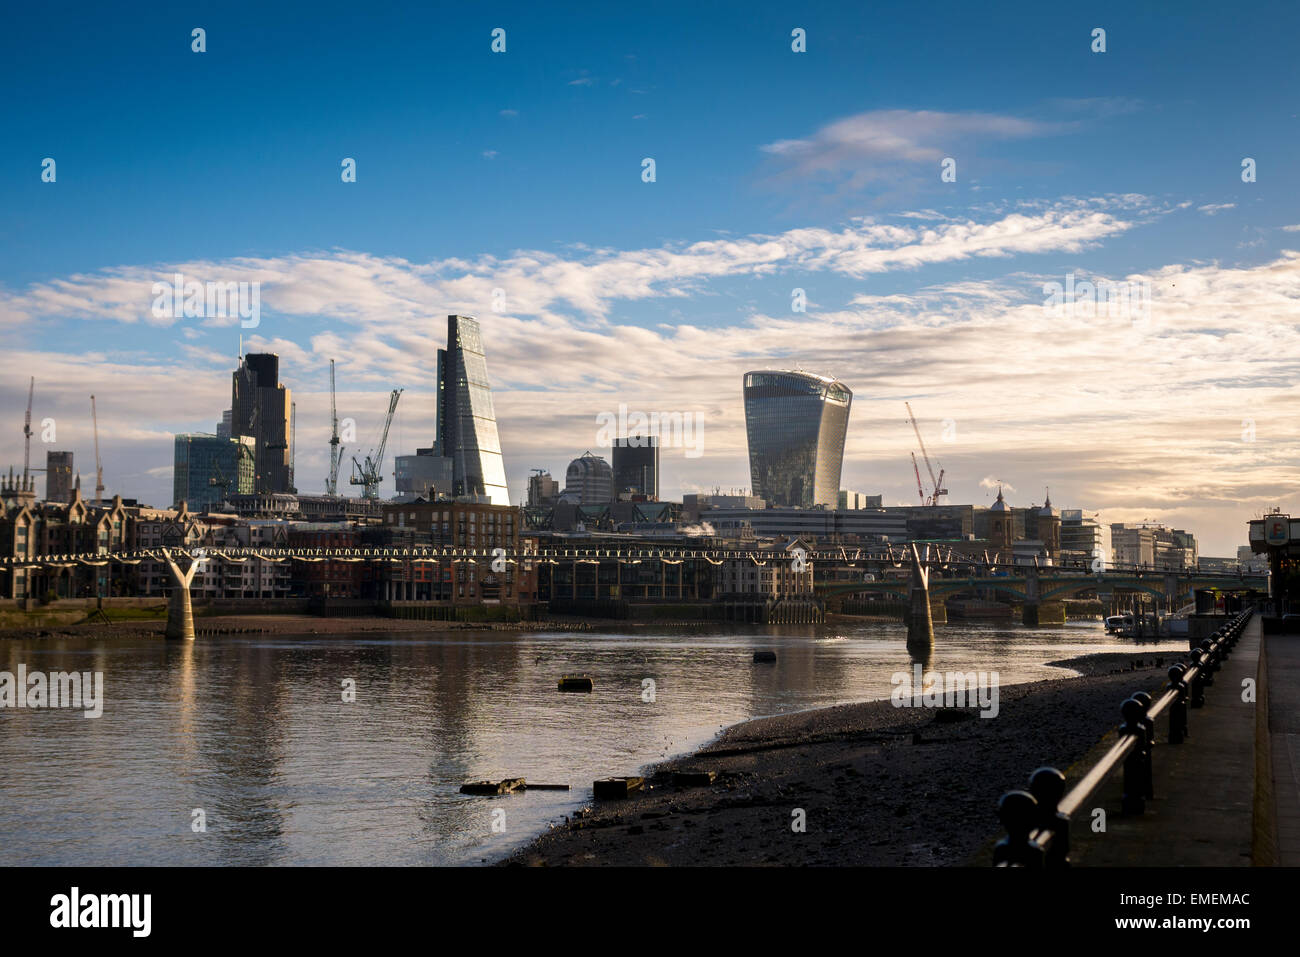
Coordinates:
1084 539
589 480
474 527
207 469
260 407
779 577
58 477
796 425
636 466
467 425
31 529
1154 546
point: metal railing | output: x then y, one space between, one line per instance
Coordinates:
1037 821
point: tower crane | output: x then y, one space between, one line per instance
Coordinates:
369 475
99 468
915 468
336 450
27 433
938 482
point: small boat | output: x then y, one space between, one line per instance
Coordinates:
576 683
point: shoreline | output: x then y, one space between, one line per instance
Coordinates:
863 776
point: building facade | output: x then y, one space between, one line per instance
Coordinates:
58 477
467 425
589 480
636 466
796 424
259 410
207 469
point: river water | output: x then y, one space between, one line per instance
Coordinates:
254 732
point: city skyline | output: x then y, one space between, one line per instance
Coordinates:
616 290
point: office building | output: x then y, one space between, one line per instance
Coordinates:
422 475
260 410
796 425
467 425
588 481
207 469
849 499
636 466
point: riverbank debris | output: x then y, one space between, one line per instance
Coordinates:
693 778
615 788
764 656
576 683
546 787
504 786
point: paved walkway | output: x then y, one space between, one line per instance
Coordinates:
1203 813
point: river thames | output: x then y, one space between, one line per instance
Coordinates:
254 732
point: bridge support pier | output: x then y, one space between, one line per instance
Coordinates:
180 613
920 617
1039 613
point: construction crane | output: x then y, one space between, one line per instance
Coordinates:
27 434
99 468
336 450
938 482
915 468
369 475
220 481
293 441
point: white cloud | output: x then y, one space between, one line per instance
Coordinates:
1142 420
865 147
1211 209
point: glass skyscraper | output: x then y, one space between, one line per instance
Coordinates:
208 468
796 424
467 424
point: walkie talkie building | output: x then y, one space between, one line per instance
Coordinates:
796 424
467 424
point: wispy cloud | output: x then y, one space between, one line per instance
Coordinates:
862 148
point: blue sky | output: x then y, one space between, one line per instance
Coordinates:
522 171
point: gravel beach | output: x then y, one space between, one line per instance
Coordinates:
877 785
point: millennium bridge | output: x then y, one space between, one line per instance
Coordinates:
923 576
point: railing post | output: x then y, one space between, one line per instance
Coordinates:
1198 680
1017 810
1047 785
1208 670
1137 766
1178 710
1144 699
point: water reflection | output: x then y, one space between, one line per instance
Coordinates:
256 732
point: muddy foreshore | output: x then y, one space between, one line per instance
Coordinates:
877 785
